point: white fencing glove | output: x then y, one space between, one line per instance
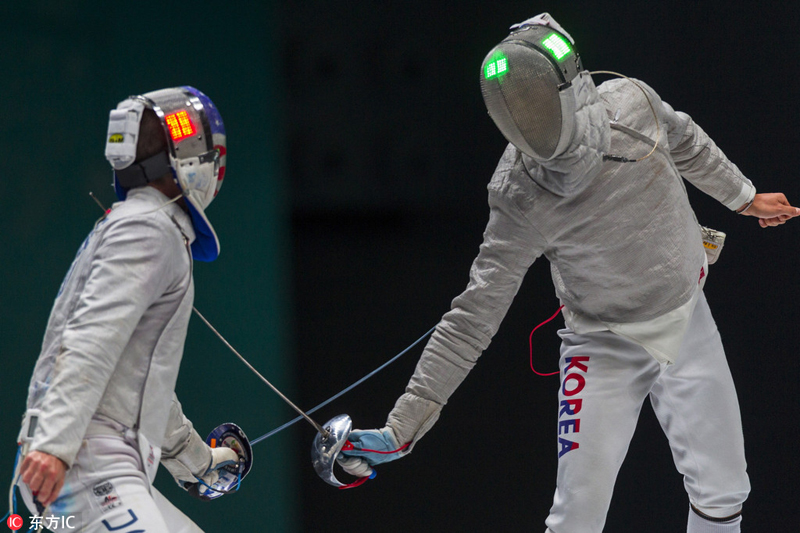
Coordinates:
198 461
220 457
206 487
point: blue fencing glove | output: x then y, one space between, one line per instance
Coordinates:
366 448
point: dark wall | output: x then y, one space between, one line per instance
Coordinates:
64 65
390 150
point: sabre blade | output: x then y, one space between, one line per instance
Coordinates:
322 431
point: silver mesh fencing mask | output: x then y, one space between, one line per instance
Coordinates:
525 81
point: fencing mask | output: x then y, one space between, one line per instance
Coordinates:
525 81
196 153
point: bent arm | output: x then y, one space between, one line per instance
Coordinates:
702 162
184 452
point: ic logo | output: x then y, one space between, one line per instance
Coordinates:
14 522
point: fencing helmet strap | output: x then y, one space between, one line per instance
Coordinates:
143 172
197 153
525 81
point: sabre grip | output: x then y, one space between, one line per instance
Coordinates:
224 474
367 448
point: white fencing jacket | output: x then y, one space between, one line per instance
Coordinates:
115 337
623 243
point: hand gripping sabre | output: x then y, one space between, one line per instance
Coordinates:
328 442
332 437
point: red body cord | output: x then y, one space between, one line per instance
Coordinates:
530 344
357 483
349 446
360 481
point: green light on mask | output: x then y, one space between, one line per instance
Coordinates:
558 46
497 67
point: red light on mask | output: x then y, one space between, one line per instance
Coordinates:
180 125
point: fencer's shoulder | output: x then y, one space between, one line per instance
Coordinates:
632 103
511 182
505 167
145 218
140 200
146 205
626 90
622 85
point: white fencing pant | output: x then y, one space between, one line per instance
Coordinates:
604 382
107 491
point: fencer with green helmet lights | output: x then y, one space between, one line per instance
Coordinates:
196 153
530 83
625 255
526 85
534 104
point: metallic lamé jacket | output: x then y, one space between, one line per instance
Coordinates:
623 242
115 337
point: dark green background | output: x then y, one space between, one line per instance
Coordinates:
63 66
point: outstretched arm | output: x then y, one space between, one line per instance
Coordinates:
772 209
510 246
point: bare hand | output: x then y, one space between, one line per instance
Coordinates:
772 209
44 474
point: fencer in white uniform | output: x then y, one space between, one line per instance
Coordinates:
101 402
592 180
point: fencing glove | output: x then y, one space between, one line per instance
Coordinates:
220 457
367 448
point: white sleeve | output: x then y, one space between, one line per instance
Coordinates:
184 452
700 161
